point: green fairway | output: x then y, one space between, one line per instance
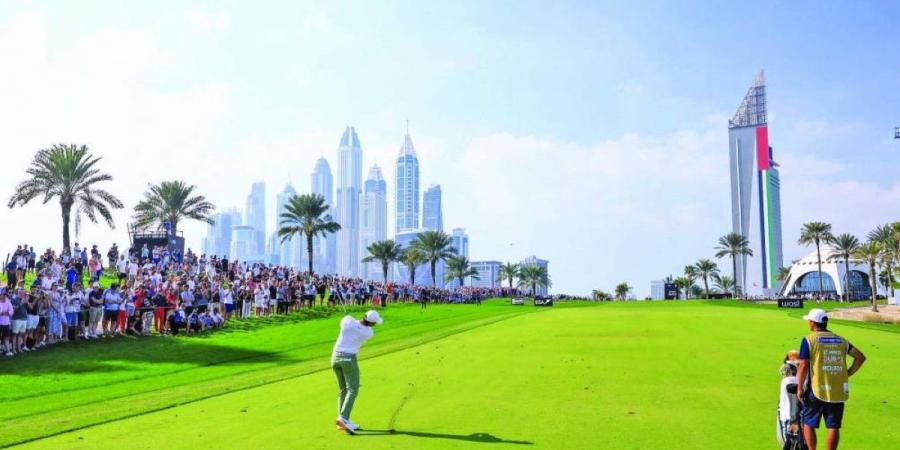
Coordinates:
620 375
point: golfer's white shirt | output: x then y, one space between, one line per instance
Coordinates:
353 336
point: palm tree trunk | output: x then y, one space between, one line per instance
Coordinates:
66 215
706 286
847 279
412 276
734 274
309 251
890 276
460 282
433 274
819 256
384 271
874 285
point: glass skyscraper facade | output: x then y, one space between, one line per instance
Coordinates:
372 221
432 214
256 216
755 193
407 179
349 180
324 248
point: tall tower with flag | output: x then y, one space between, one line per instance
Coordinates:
755 193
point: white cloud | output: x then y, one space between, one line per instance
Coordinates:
206 21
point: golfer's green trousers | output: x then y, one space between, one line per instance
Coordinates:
347 372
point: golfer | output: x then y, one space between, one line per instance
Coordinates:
354 333
823 378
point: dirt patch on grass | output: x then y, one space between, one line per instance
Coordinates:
885 314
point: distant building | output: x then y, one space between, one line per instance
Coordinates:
349 180
218 235
423 272
324 248
534 260
372 221
658 289
460 243
488 274
243 245
803 279
407 181
256 216
755 193
290 253
432 214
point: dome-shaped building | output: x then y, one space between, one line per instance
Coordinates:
803 279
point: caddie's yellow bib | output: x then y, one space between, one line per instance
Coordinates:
828 366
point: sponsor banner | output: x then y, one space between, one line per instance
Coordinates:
790 303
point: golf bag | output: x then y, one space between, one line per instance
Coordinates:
790 431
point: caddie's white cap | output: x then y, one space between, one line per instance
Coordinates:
373 317
816 315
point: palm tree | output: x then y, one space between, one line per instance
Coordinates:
69 173
733 245
816 233
436 246
842 248
412 258
690 272
600 296
458 267
385 252
307 215
171 201
706 269
534 276
684 285
509 271
887 237
783 273
870 252
622 290
724 283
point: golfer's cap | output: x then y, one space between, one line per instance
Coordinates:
373 317
816 315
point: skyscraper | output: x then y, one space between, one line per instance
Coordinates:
459 240
407 177
218 235
372 220
349 187
535 261
755 192
290 253
324 248
432 215
256 216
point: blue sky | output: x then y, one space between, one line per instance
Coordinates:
589 134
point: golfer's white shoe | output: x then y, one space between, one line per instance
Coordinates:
345 425
353 424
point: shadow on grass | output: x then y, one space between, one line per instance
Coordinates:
134 354
474 437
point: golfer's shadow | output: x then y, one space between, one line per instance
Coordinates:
474 437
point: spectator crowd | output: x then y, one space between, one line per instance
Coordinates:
153 290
